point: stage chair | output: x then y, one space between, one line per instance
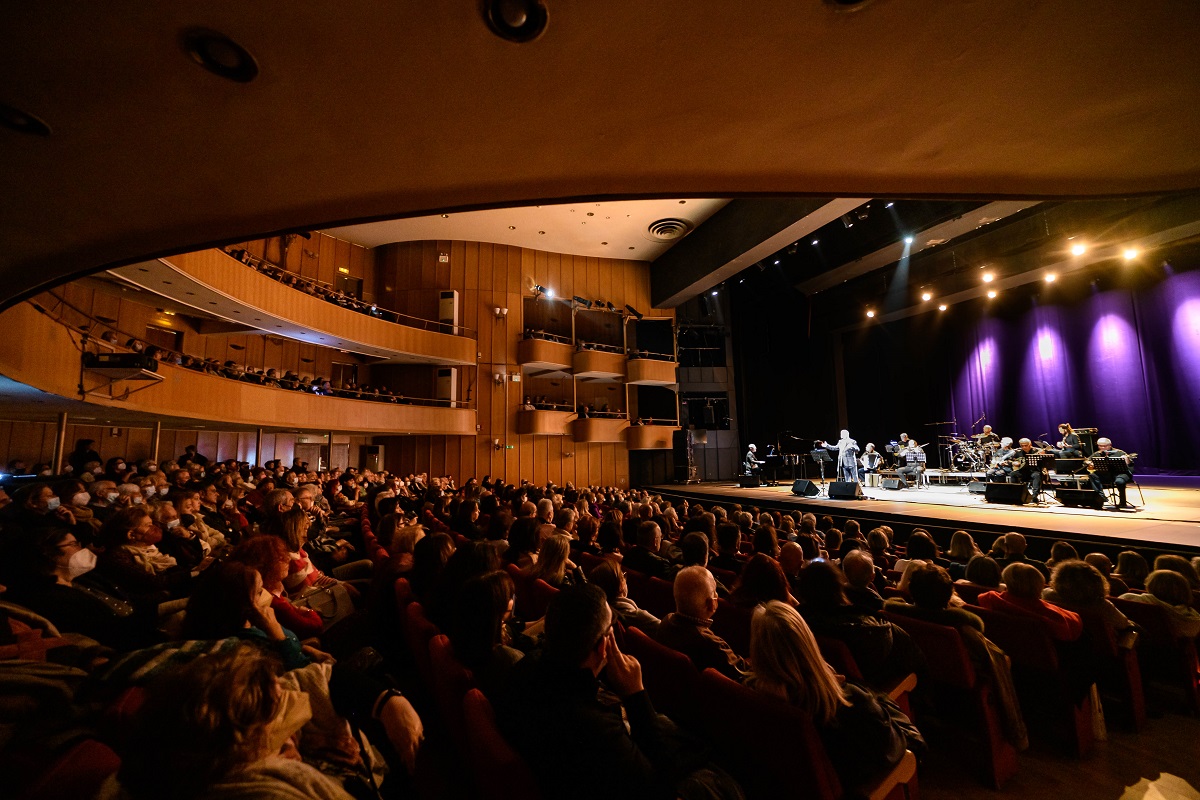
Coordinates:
500 772
418 630
725 576
669 676
959 688
587 561
970 592
636 583
774 750
451 682
1043 684
1163 655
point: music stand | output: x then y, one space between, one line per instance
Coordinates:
822 457
1108 468
1041 462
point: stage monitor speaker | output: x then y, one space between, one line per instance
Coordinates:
894 483
976 487
1068 466
846 490
749 481
1014 494
1080 498
805 488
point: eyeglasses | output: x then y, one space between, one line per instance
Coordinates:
65 545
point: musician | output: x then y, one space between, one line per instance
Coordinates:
1069 446
901 447
1120 476
1023 471
846 458
870 462
987 438
1001 466
914 462
750 463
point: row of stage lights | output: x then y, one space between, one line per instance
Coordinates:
1129 254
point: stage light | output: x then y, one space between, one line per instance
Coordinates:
926 296
550 293
1050 277
889 205
988 277
582 302
815 242
992 294
942 307
1131 253
870 314
777 262
908 240
1078 249
714 294
633 311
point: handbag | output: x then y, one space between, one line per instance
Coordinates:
333 603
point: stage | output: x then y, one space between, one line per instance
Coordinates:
1169 521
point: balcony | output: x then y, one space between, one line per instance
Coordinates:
600 365
183 396
221 286
649 437
544 423
650 372
544 356
599 429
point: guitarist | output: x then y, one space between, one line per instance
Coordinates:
1121 477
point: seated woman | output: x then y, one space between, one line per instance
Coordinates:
586 529
1132 569
881 650
864 735
479 630
932 590
1182 566
524 542
1079 587
269 556
762 579
132 560
1023 597
920 546
466 562
881 549
984 571
962 550
1170 590
1060 552
554 564
610 541
609 577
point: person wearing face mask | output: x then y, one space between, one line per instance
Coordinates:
76 497
50 566
183 545
36 508
191 517
211 508
115 469
132 560
128 494
104 497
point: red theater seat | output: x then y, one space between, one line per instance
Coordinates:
500 772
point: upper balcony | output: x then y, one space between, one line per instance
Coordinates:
599 364
649 371
177 395
545 355
220 285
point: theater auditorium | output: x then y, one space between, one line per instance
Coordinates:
529 399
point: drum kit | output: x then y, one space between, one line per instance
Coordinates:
968 454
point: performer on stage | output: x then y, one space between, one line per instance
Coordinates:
898 453
750 463
1120 478
1069 446
1001 466
847 457
987 438
1023 471
914 462
870 462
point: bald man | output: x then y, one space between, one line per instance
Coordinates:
791 561
1014 549
689 628
859 568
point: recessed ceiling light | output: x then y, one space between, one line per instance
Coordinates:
22 122
870 314
992 294
543 233
714 294
604 243
1130 253
512 227
988 277
908 240
681 202
777 262
445 216
1078 249
815 241
1050 277
591 213
942 307
926 296
220 55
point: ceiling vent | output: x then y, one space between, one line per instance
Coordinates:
668 230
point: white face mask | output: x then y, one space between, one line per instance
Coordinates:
120 467
111 497
82 561
81 499
98 470
172 523
53 503
151 468
137 500
229 504
46 472
162 490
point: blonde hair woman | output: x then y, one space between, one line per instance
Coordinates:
864 735
554 565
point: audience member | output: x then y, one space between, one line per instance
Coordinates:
644 556
761 580
1170 590
1022 596
609 577
689 628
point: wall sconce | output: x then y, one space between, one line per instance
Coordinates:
499 377
501 313
496 444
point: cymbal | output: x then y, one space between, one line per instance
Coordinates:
979 435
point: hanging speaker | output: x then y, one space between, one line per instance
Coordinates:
805 488
846 490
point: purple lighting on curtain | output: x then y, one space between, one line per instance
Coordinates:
1045 398
978 385
1186 342
1117 376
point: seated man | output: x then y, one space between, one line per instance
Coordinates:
575 745
913 464
644 557
729 539
859 569
1014 549
689 628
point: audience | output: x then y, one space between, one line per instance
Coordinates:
1170 590
1022 596
688 629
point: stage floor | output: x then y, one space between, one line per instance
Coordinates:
1169 519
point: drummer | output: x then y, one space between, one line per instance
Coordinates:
987 438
